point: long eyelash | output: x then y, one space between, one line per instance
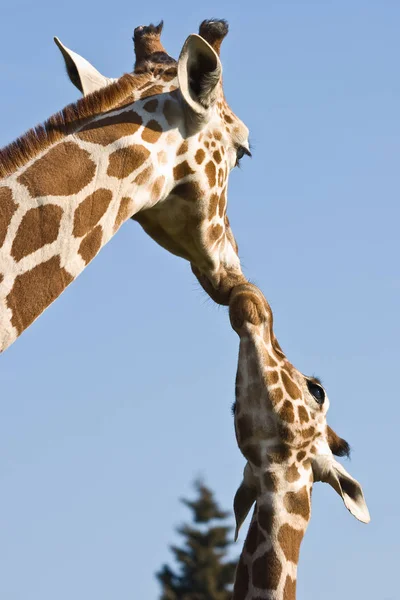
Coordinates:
316 379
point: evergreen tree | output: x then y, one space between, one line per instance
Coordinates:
203 571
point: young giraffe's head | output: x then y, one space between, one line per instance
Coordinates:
281 429
200 140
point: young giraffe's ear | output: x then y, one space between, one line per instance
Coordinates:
327 469
244 499
338 445
199 73
82 74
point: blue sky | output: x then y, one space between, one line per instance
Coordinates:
119 395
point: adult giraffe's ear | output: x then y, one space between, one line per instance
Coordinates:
82 74
328 470
244 499
199 73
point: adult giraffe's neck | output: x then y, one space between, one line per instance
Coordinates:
55 216
267 567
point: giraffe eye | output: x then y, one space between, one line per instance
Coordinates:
240 152
316 391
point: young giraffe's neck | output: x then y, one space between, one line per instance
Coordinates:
62 207
267 568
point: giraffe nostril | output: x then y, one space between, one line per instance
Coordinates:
316 391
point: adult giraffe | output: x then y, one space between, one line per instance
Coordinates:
157 145
281 429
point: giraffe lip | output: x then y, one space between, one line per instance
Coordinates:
220 295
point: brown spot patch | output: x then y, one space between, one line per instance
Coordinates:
124 212
254 538
7 209
290 386
217 156
244 426
109 130
265 518
124 161
304 415
34 290
212 206
200 156
182 170
211 173
144 176
157 188
90 245
292 474
266 571
270 481
308 433
151 105
1 277
171 112
228 119
271 362
298 503
189 191
64 170
287 413
273 377
285 433
215 233
241 581
301 455
151 133
221 177
39 226
253 453
279 454
290 540
222 203
289 591
90 211
275 395
183 148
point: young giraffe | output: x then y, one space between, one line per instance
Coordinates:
281 429
156 145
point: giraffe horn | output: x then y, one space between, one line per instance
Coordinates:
214 31
148 46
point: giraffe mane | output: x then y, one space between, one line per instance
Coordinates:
69 119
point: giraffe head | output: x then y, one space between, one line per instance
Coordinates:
200 141
281 429
280 414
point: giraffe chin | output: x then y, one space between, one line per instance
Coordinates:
227 281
